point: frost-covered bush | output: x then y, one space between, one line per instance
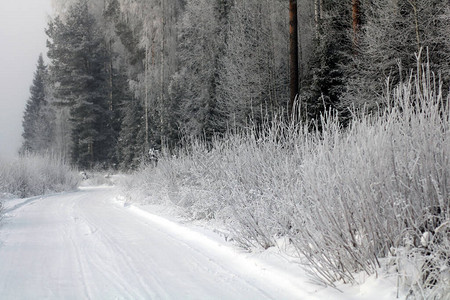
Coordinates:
97 178
146 186
425 269
36 175
368 188
345 198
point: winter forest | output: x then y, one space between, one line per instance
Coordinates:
322 121
128 76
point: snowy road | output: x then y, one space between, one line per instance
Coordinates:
85 245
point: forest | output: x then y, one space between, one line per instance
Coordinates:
127 76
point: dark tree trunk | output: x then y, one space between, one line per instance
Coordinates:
293 53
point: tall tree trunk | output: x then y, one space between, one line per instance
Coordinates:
293 53
146 83
316 16
162 71
356 18
321 16
272 91
413 4
110 81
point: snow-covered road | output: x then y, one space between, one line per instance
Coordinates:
86 245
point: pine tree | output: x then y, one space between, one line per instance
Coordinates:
37 125
129 119
131 146
332 48
79 61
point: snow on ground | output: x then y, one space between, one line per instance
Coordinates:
272 265
91 245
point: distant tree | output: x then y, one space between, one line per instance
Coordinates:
37 120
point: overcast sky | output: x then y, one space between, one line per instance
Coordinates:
22 38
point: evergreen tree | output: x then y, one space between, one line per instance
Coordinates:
79 61
200 46
148 33
333 47
37 125
131 146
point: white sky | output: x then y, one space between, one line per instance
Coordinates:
22 38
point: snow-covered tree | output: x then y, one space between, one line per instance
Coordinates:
37 120
332 47
392 34
201 43
253 75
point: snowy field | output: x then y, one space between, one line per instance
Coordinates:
90 245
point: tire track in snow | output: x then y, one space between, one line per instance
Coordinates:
207 257
123 259
83 246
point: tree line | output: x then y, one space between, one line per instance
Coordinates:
126 76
